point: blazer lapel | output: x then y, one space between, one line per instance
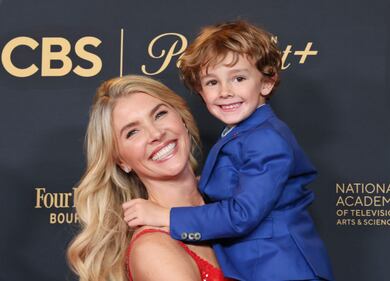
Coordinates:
211 158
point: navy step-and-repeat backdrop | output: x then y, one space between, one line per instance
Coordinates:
334 95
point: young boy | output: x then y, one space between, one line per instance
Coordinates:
255 175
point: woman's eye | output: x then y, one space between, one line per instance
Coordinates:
131 133
161 114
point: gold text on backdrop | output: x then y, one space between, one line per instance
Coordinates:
60 204
48 56
180 43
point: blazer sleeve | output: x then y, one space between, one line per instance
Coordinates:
267 163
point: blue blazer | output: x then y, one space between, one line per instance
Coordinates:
255 180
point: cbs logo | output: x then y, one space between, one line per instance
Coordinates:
62 47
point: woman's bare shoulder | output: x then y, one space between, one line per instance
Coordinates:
151 237
155 255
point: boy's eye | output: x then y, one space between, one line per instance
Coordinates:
131 133
211 82
239 78
161 114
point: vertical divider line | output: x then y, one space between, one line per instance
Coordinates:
121 55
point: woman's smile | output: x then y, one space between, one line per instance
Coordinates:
164 153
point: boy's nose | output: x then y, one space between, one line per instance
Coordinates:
226 91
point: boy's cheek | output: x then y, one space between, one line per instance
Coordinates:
208 104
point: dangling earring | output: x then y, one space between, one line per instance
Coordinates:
127 170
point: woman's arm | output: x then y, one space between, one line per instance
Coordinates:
156 257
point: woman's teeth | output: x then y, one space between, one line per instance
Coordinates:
164 152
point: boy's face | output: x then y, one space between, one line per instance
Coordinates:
232 93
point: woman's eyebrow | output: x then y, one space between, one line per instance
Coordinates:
157 107
131 124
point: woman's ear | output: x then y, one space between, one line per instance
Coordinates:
124 167
185 126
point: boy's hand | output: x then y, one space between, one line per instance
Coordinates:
140 212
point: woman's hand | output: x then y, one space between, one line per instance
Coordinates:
140 212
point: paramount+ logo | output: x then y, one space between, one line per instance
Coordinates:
54 54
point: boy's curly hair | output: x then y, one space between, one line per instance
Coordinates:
214 43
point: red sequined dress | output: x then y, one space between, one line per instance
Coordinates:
208 272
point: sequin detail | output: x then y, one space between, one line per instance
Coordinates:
208 272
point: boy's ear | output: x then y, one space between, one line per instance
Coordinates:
267 86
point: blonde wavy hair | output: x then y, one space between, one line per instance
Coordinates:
97 253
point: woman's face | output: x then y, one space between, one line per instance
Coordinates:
152 138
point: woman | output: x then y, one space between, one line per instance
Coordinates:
141 141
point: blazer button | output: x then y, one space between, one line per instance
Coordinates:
191 236
184 235
197 236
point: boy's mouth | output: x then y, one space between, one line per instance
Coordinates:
230 107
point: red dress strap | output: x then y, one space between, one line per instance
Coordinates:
208 272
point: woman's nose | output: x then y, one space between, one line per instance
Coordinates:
155 133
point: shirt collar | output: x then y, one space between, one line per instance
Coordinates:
228 129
